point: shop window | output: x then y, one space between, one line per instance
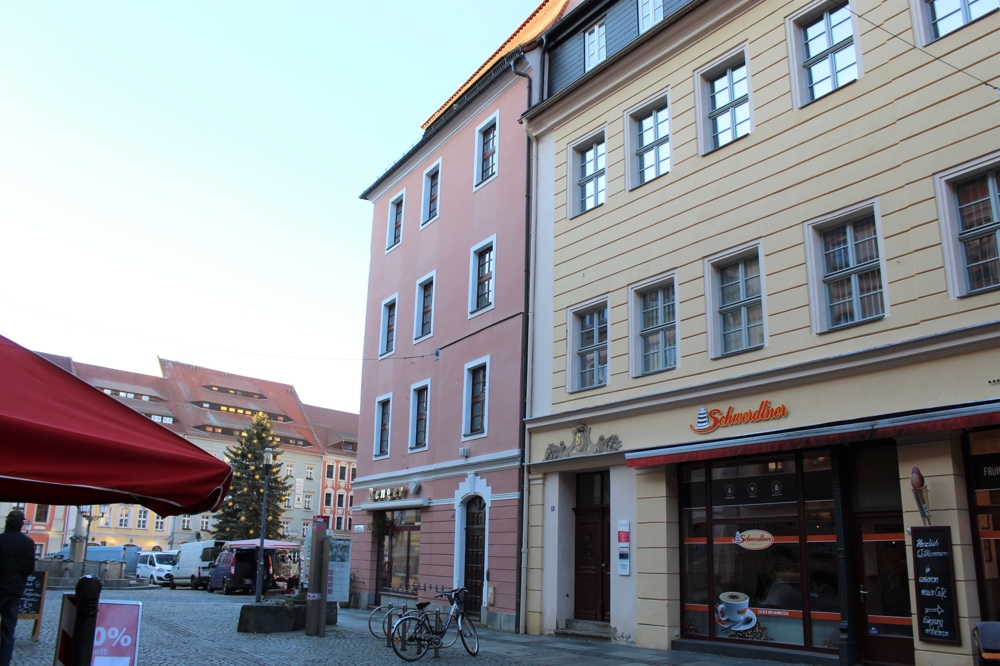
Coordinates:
744 550
402 552
984 466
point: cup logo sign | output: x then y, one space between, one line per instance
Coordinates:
730 490
776 487
752 489
754 539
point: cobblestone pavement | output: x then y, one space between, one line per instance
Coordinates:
182 627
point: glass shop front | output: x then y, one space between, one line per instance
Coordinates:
759 556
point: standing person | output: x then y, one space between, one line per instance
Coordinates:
17 562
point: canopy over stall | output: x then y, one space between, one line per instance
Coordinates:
64 442
248 544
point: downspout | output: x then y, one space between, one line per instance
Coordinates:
522 514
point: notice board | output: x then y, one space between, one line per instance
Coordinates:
33 601
934 583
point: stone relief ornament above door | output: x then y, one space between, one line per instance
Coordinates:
581 443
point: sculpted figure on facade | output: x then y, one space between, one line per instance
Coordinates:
583 444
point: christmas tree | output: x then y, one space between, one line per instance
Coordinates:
239 517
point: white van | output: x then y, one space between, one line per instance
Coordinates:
157 568
194 562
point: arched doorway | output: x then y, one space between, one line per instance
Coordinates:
475 555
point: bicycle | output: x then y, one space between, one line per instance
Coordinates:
413 635
388 612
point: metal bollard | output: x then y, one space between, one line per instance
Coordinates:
388 633
437 630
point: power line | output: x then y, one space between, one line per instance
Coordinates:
911 45
214 349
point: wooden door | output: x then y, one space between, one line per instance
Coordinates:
885 627
592 585
475 555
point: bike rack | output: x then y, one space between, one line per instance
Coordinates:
437 628
388 634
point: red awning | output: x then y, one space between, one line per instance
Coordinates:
64 442
931 421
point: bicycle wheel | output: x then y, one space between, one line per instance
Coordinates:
392 617
470 639
450 637
372 623
410 638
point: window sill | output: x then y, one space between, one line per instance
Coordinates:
651 180
860 322
736 140
382 457
393 247
386 354
584 212
959 29
427 223
829 94
977 292
738 352
586 388
483 183
472 436
417 449
482 310
654 372
423 337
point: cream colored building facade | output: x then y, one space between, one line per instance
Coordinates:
812 273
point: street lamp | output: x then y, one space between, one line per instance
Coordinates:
89 517
268 462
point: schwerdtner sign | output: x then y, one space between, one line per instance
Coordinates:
710 420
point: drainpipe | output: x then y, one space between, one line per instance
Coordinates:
522 485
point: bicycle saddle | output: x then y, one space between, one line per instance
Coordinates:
423 604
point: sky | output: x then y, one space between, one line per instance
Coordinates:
180 179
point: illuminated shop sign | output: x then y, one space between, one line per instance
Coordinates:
712 419
386 494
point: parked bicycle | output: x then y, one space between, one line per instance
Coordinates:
413 635
381 620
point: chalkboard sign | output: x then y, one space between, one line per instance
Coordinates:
934 580
33 601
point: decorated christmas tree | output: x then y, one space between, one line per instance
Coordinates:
239 517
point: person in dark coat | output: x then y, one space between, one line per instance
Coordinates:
17 562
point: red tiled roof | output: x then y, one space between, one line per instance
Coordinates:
545 14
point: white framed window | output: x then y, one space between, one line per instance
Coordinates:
342 473
340 523
647 140
329 471
328 499
142 518
350 500
653 325
159 524
431 207
824 50
286 502
125 517
846 261
475 407
650 13
394 231
206 522
934 19
286 526
587 345
340 500
387 330
724 100
289 469
185 522
307 501
305 529
735 300
595 48
383 425
482 277
420 414
310 472
586 163
487 151
423 312
968 200
354 473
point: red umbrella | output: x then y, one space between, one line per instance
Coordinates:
62 441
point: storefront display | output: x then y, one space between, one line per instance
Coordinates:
984 473
402 552
759 556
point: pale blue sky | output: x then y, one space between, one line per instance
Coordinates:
181 178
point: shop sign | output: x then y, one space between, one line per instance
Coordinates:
387 494
986 471
623 548
937 615
753 539
710 420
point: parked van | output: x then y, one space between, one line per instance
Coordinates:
236 570
194 562
129 554
158 568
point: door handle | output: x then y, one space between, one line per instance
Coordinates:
863 592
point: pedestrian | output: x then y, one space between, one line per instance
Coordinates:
17 562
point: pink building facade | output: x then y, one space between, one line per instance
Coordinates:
438 493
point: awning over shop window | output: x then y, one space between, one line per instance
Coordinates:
890 426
